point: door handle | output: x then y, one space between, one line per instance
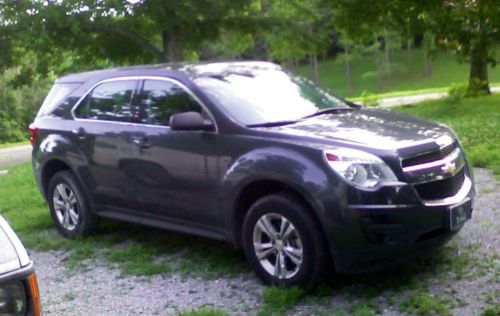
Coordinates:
80 133
142 142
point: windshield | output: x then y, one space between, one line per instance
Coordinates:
267 96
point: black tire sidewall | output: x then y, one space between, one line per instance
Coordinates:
66 177
299 215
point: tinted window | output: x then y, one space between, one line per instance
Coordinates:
110 101
160 99
56 95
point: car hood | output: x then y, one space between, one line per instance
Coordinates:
372 128
13 255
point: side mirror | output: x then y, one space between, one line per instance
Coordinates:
190 121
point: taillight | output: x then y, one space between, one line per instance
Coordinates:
34 133
35 295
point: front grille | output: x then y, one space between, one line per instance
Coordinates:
429 156
440 189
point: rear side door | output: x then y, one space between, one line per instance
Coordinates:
104 130
177 169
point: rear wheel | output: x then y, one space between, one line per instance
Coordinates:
69 207
283 241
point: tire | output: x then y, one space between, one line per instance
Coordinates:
301 245
69 207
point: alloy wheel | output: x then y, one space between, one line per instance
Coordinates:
278 246
66 206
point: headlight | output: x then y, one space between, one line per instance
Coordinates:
13 298
358 167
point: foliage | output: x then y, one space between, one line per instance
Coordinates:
446 70
472 30
18 106
204 311
278 299
369 99
456 92
425 304
96 31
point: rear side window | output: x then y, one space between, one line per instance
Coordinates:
109 101
56 95
160 99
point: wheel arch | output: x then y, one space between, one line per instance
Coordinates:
49 169
259 188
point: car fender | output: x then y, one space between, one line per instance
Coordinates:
287 166
57 147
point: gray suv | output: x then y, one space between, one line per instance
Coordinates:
304 181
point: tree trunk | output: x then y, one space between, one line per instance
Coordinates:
348 74
380 83
171 48
478 76
426 48
387 49
409 51
313 61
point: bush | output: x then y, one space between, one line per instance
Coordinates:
369 99
10 132
457 91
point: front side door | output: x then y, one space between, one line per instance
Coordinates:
176 170
104 130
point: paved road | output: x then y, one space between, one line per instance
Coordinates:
14 155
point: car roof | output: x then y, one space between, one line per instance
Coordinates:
13 255
190 70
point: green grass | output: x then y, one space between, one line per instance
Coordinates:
279 299
135 249
204 311
475 120
425 304
492 310
446 70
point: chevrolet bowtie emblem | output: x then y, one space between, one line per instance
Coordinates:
449 167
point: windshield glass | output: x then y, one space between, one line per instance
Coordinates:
266 96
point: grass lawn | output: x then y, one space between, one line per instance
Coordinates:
445 71
475 120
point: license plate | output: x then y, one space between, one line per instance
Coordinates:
459 214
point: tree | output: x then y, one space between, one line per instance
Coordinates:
472 29
304 30
149 31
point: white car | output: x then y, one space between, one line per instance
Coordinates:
18 284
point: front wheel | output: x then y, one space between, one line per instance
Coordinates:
69 207
283 241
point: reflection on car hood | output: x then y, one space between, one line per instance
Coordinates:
371 128
13 256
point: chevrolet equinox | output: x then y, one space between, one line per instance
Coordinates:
304 181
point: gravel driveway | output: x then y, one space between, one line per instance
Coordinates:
101 290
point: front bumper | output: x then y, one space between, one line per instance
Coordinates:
374 230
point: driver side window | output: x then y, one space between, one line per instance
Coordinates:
160 99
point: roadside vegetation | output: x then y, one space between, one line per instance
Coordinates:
446 70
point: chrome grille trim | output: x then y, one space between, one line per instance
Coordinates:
429 165
459 197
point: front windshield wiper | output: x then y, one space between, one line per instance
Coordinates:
328 111
273 124
287 122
